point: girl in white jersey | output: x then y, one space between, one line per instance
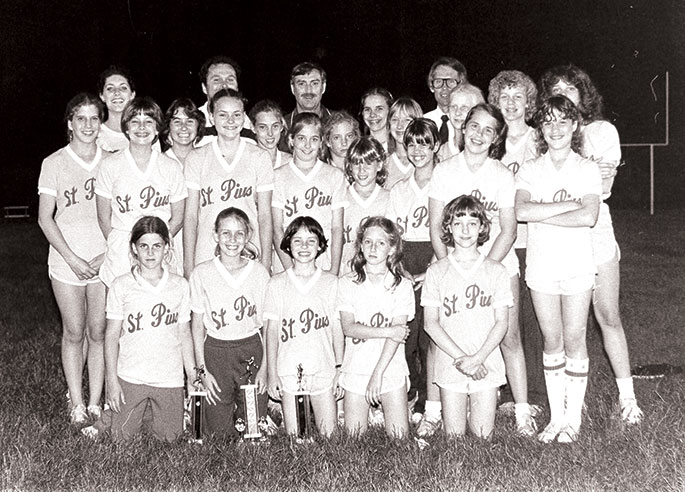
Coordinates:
408 208
601 144
466 298
558 195
339 132
226 300
304 340
183 127
269 126
309 186
375 302
402 112
148 342
135 182
462 98
365 196
67 216
116 89
231 171
375 106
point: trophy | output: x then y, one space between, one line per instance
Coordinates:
251 426
302 408
196 413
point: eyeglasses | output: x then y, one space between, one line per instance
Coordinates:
450 83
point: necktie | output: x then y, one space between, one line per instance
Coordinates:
444 130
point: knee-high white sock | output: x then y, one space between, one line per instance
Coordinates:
554 365
576 383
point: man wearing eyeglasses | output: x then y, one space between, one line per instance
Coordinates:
445 74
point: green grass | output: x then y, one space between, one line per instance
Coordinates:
40 451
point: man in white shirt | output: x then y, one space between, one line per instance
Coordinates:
445 74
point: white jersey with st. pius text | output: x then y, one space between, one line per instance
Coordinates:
408 208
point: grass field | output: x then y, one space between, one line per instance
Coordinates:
40 451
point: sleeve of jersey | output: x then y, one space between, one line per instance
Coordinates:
178 184
502 296
47 181
192 170
103 182
270 304
523 177
262 282
507 188
197 304
115 300
265 172
430 293
437 184
338 200
594 178
184 309
604 142
391 209
344 300
278 197
404 300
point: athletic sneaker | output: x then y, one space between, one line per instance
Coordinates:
508 408
416 418
95 411
90 432
568 434
630 412
550 433
428 426
525 425
78 414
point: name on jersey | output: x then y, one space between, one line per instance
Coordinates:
377 320
149 196
419 218
71 195
242 308
312 197
473 295
490 206
349 235
230 190
159 313
309 320
564 196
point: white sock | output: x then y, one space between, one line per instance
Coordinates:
576 384
625 388
554 365
433 410
521 410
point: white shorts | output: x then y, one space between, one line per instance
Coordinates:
59 269
357 383
470 387
565 287
312 384
604 245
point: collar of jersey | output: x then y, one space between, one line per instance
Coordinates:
466 273
304 287
234 282
224 163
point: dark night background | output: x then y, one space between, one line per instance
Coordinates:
53 49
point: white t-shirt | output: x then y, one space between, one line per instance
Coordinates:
231 307
224 184
306 315
113 141
397 170
374 305
556 252
467 300
408 208
492 184
150 345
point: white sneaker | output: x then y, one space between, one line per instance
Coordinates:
78 414
525 425
95 411
428 426
416 418
630 412
568 434
550 432
90 432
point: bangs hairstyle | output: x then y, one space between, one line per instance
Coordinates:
591 102
422 131
307 67
309 224
394 260
148 224
218 60
300 120
514 78
464 205
142 105
267 106
362 151
226 93
115 70
250 251
78 101
451 62
336 118
565 107
498 146
191 111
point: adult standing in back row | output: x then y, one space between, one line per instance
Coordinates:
445 74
